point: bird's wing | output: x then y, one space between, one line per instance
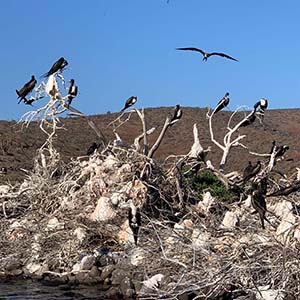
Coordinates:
221 54
192 49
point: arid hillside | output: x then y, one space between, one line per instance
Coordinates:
18 146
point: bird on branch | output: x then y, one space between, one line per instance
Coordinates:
251 172
177 115
58 66
222 103
249 120
206 55
129 102
26 89
73 91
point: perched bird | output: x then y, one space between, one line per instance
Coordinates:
222 103
255 170
205 54
73 91
262 103
92 149
248 169
280 151
26 89
135 221
177 115
258 202
249 120
129 102
57 66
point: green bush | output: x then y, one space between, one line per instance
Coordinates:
206 181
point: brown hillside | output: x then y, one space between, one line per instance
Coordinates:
18 147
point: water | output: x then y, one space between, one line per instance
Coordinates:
27 290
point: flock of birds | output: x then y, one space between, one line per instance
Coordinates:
258 189
28 87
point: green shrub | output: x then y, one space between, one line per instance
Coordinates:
206 181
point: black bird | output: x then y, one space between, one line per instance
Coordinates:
29 101
222 103
129 102
135 222
248 169
262 103
280 151
255 170
258 202
249 120
92 149
26 89
177 115
57 66
207 55
73 91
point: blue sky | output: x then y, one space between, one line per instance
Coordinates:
119 48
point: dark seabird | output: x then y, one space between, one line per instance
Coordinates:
207 55
222 103
249 120
177 115
26 89
135 222
129 102
29 101
262 103
255 170
280 151
258 202
73 91
92 149
248 169
57 66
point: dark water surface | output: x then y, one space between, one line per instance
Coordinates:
27 290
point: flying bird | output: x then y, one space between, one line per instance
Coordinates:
59 65
177 115
129 102
73 91
26 89
207 55
222 103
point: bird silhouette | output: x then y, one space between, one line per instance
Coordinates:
251 173
258 202
206 55
26 89
177 115
59 65
135 222
222 103
129 102
73 91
